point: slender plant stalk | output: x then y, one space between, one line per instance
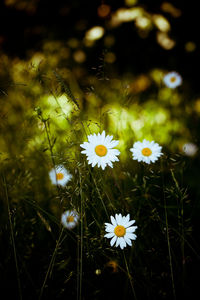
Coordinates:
168 240
78 267
49 142
65 86
52 158
129 276
12 238
80 254
169 249
50 267
181 216
103 204
81 251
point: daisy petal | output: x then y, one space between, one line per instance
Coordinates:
109 235
113 240
113 221
127 240
131 229
129 223
131 236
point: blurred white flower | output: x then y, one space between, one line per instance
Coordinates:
99 150
120 231
59 175
69 219
146 151
190 149
172 80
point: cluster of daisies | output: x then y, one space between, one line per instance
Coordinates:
100 150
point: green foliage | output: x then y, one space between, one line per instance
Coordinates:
43 125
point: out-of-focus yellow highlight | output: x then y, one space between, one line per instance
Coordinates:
143 23
110 57
79 56
126 15
165 41
140 84
190 46
161 23
29 6
103 10
172 10
197 106
130 2
94 33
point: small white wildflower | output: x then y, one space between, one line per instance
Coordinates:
146 151
59 175
99 150
69 219
120 231
172 80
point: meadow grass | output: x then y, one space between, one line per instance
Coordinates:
43 260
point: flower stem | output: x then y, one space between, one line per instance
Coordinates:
130 277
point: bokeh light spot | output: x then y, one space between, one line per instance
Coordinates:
94 33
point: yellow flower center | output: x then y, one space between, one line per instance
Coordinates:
120 230
70 219
146 151
173 79
59 176
101 150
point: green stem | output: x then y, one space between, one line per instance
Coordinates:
12 238
53 160
81 243
103 204
51 264
130 277
181 224
169 249
49 142
168 240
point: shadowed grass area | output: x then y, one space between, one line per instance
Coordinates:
46 115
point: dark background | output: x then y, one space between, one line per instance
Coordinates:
22 30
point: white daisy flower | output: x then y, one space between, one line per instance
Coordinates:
99 150
59 175
146 151
69 219
172 80
120 231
